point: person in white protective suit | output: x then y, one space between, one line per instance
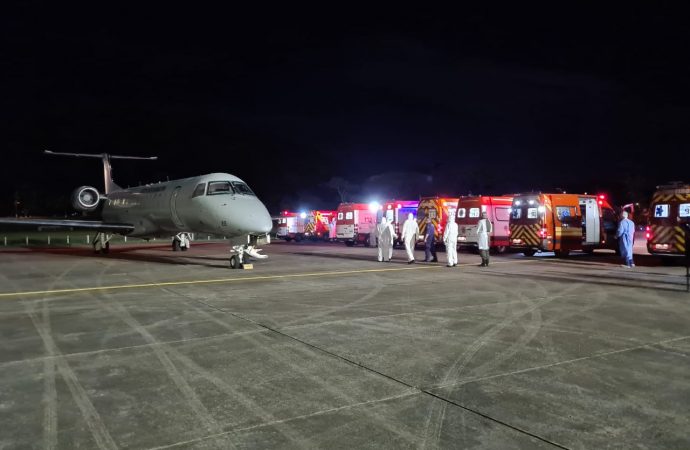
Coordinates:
331 230
450 240
385 235
409 234
484 229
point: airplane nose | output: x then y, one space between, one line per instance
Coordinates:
261 220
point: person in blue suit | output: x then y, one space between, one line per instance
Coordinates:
625 236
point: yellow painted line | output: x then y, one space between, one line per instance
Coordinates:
229 280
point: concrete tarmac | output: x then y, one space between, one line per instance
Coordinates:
321 346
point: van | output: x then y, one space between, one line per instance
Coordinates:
467 217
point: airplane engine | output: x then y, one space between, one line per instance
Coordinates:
85 198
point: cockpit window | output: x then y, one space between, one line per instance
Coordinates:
200 189
219 187
241 188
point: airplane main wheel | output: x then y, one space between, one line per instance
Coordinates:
106 248
184 249
234 262
175 245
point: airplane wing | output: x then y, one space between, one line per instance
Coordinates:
121 228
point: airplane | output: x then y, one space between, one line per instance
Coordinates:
216 203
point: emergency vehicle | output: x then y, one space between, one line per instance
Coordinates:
497 209
355 223
438 209
669 213
291 225
318 224
561 223
396 212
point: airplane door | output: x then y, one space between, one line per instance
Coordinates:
173 208
592 220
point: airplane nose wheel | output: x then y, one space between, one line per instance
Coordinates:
234 262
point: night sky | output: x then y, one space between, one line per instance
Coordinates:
394 102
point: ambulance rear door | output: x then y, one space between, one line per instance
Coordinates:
591 221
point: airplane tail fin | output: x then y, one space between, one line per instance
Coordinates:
109 184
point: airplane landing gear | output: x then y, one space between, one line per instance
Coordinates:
181 241
241 254
101 243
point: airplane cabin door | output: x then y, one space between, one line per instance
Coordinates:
592 220
173 208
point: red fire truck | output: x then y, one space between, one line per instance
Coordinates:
355 223
497 209
438 209
318 224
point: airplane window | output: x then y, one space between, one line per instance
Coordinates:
199 190
242 188
219 187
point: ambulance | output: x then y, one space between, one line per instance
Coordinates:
669 214
291 225
355 222
396 212
497 209
561 223
439 210
318 224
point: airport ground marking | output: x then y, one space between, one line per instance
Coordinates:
231 280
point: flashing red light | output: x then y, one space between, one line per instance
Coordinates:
399 206
601 202
602 196
390 207
542 233
648 233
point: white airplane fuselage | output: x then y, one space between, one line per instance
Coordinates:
200 204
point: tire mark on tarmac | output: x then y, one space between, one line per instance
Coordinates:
281 357
172 371
81 398
222 385
436 415
368 296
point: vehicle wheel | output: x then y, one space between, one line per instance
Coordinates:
589 251
287 239
234 262
499 249
529 252
175 245
367 243
562 253
349 243
298 238
106 248
184 249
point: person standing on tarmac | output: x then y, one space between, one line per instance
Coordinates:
331 230
450 240
625 236
430 242
409 235
385 236
484 229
